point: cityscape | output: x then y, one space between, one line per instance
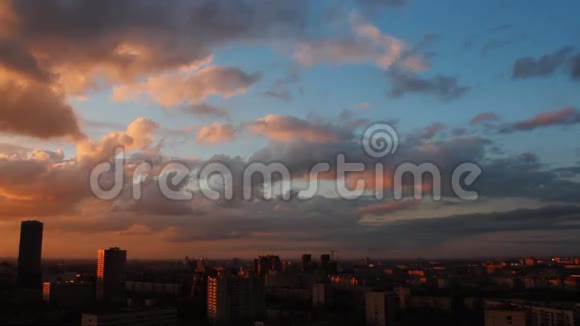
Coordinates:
290 162
270 290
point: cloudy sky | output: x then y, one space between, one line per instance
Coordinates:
495 83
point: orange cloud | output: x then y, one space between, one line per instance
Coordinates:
565 116
216 133
34 109
283 128
191 85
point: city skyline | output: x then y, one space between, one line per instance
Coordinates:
493 84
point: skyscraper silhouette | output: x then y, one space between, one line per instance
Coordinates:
30 255
306 263
111 275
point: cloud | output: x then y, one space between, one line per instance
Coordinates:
575 66
562 117
189 86
204 110
428 132
387 207
280 88
528 67
334 51
139 135
495 44
441 86
16 58
216 133
89 48
367 44
484 118
33 109
280 94
51 186
58 50
281 128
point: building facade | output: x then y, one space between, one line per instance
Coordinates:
111 275
30 255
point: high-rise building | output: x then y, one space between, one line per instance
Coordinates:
265 264
306 263
30 255
235 298
111 275
380 308
324 261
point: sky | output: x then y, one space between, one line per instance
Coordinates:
494 83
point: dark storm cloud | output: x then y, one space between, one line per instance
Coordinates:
16 57
336 222
525 176
72 48
173 34
441 86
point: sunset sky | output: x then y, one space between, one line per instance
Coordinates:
496 83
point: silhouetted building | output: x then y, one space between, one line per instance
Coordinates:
265 264
68 294
111 275
306 263
30 255
380 308
235 298
324 262
134 317
322 294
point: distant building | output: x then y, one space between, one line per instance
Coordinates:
235 298
380 309
324 262
322 294
157 317
306 263
545 316
404 296
536 313
30 255
431 302
501 317
263 265
172 289
68 294
111 275
344 281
